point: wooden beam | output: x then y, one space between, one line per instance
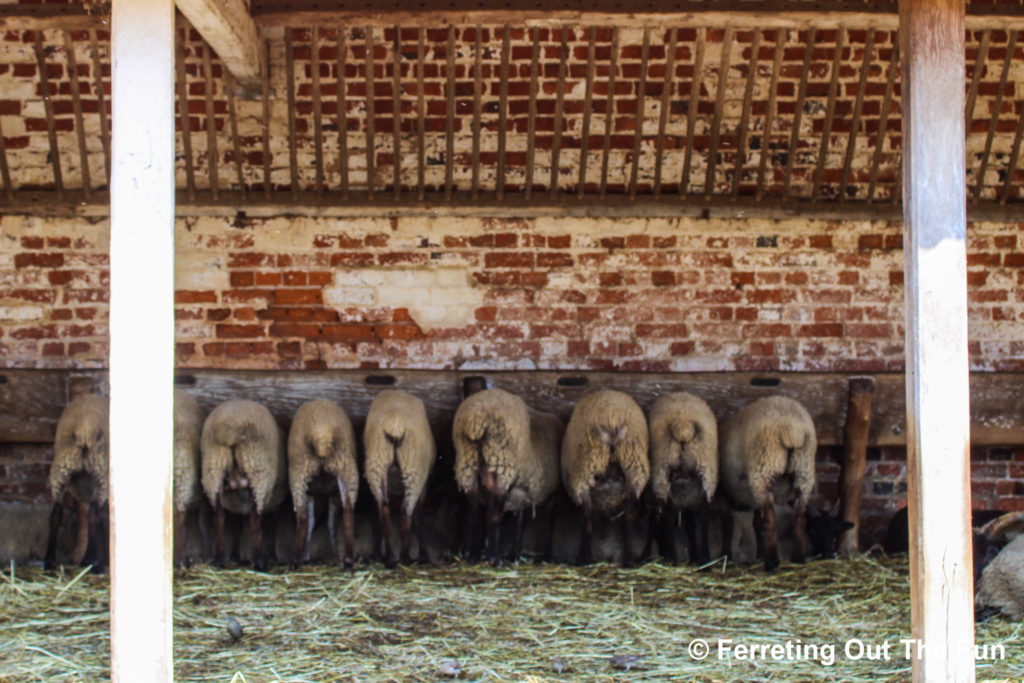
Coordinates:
236 147
212 155
268 185
609 110
741 134
883 122
716 123
51 125
588 101
638 118
531 124
856 431
502 110
769 114
421 116
449 155
318 141
665 105
5 172
227 27
76 105
184 118
993 120
938 407
556 144
830 112
858 107
343 109
477 109
101 101
691 115
801 95
141 317
371 114
396 113
289 74
1011 167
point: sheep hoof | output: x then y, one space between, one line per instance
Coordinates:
496 562
406 559
771 565
259 565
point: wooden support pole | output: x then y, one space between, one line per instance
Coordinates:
691 115
212 155
76 104
289 74
101 100
503 109
938 410
396 112
342 105
51 126
141 339
609 110
268 185
318 141
855 450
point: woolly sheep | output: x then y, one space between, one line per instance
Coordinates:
188 426
400 453
1000 588
243 469
605 464
506 457
767 451
322 462
684 469
81 458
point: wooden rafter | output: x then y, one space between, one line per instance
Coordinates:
229 29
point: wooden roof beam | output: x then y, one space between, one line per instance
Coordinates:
229 29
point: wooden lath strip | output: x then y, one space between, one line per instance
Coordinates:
588 101
716 126
1011 168
748 95
769 115
638 119
76 106
236 148
830 112
371 114
531 126
101 100
979 67
289 66
1011 45
691 115
477 109
798 114
342 97
268 184
506 50
421 115
396 112
5 172
51 125
666 102
883 120
556 143
318 142
858 107
449 161
609 111
211 124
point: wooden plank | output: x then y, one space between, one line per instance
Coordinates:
938 389
184 116
76 107
318 142
289 71
371 115
980 64
609 110
141 316
638 119
997 106
421 115
691 116
477 111
556 144
342 95
1011 167
101 99
268 185
716 125
30 404
531 125
227 27
883 122
769 115
830 112
212 155
396 113
5 172
858 108
51 126
801 97
748 94
666 102
503 109
449 156
236 147
588 103
855 450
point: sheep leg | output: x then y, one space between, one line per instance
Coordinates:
384 514
203 518
332 530
179 538
472 546
220 549
768 536
82 539
495 510
800 534
259 560
728 523
237 522
586 553
97 554
348 523
405 535
667 533
549 531
302 518
697 532
56 514
628 522
517 538
270 534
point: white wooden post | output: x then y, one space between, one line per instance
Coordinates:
938 420
141 339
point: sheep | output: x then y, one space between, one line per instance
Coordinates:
81 456
605 463
322 456
684 470
400 454
767 449
243 470
188 425
506 457
1000 586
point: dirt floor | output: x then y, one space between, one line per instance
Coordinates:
830 620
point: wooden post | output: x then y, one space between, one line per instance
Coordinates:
141 339
934 242
855 450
